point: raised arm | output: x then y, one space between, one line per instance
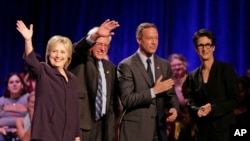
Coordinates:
27 35
105 29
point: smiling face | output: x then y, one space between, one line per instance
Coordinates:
205 48
58 56
59 51
204 42
100 49
179 69
148 41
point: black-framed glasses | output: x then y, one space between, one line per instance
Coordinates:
204 46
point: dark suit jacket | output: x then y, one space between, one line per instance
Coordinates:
138 122
221 90
83 65
56 108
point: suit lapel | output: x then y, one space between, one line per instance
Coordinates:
141 68
157 68
108 76
92 76
211 80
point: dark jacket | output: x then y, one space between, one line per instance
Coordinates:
139 121
221 90
56 105
84 66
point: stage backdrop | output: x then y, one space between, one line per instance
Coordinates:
177 20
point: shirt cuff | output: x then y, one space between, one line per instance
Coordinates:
88 39
152 93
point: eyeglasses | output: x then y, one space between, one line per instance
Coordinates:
204 46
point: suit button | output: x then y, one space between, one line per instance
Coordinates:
152 117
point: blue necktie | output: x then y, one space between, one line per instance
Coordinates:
149 71
98 103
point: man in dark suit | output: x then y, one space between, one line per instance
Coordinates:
212 90
90 67
146 90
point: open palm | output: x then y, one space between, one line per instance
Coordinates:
21 27
106 28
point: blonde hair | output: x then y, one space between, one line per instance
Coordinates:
54 40
30 95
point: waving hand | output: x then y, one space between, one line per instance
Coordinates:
27 35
